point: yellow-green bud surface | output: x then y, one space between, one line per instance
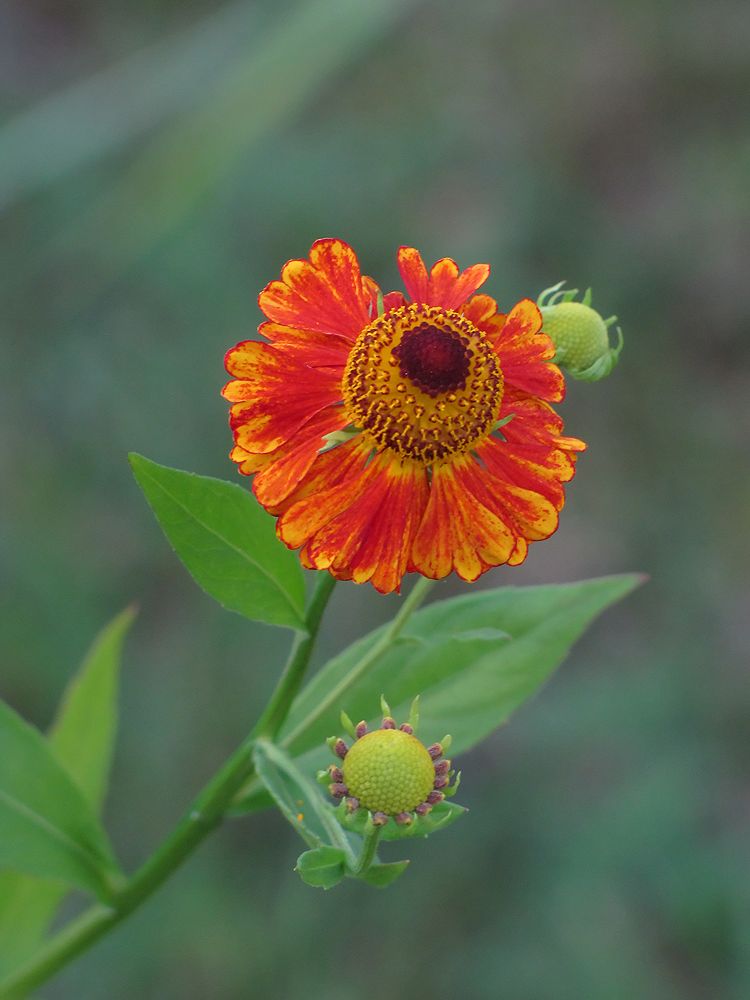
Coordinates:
578 332
389 771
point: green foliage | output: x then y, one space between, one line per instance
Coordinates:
457 655
82 738
48 827
323 867
227 542
382 875
473 660
297 798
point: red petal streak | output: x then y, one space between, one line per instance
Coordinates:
318 350
371 539
413 273
289 464
481 310
325 293
458 531
525 512
275 396
524 353
533 455
335 480
445 286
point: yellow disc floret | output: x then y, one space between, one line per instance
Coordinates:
423 381
389 771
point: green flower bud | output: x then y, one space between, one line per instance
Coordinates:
579 333
389 773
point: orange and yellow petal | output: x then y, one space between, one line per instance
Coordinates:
318 350
274 395
532 454
458 532
445 286
326 293
371 538
525 353
333 483
286 467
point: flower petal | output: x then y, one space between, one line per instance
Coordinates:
334 481
457 530
371 539
309 347
444 287
525 352
325 293
265 412
288 465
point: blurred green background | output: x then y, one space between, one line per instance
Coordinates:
159 161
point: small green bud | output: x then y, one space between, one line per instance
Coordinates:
579 333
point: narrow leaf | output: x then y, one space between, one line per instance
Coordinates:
469 674
47 827
82 737
469 682
294 802
227 542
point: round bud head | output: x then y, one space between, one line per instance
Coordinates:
578 332
389 771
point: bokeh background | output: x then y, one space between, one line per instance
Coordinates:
158 163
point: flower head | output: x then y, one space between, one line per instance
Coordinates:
399 433
388 772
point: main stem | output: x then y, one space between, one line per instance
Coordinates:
203 816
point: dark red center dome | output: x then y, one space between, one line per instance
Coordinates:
433 359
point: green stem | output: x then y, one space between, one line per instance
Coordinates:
390 633
369 849
205 814
289 683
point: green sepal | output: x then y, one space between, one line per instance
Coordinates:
382 875
347 725
441 816
323 867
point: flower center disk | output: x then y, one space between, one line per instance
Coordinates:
389 771
423 381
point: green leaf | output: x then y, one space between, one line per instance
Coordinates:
322 867
227 542
82 737
47 826
469 682
295 802
382 875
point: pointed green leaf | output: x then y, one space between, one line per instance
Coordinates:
227 542
82 738
47 827
381 875
469 674
293 801
468 685
322 867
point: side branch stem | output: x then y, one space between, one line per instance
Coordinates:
204 815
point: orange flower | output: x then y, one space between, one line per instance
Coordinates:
403 433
